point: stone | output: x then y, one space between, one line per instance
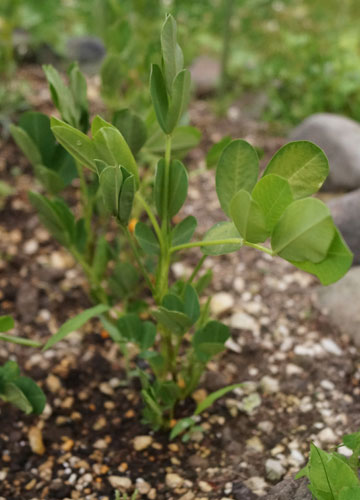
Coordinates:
328 436
331 347
339 137
142 442
205 487
274 470
31 247
256 484
85 49
221 303
269 385
341 301
36 440
255 444
142 486
243 321
121 483
173 480
205 75
53 383
242 492
345 210
288 489
27 302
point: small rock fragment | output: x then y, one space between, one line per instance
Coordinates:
255 444
205 486
274 470
121 483
36 440
173 480
142 442
269 385
53 383
221 302
328 436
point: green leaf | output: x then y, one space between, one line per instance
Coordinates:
210 340
78 89
37 126
130 326
26 144
352 493
181 426
273 195
110 181
337 262
147 239
9 371
49 216
178 187
75 142
238 168
191 303
112 73
352 441
304 232
173 60
159 96
6 323
123 280
328 474
214 396
175 321
19 340
118 36
111 147
248 217
127 195
222 231
75 323
132 128
214 153
180 95
184 231
51 180
13 394
33 394
168 392
183 140
303 164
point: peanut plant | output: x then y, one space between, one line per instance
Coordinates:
275 214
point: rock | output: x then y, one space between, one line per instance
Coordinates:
328 436
290 489
341 300
205 487
345 211
256 484
27 302
142 486
255 444
331 347
221 303
274 469
243 321
173 480
36 440
188 496
339 137
269 385
121 483
53 383
266 426
242 492
31 247
85 49
205 75
142 442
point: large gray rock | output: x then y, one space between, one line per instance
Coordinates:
290 489
85 49
339 137
346 213
341 300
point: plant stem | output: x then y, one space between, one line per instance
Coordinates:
101 295
86 205
229 241
138 259
196 269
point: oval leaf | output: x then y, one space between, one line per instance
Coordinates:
147 239
222 231
248 217
303 164
178 187
238 168
304 232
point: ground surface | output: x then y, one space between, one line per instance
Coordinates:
302 377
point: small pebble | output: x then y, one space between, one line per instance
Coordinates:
36 440
269 385
221 303
142 442
120 482
328 436
274 470
205 487
173 480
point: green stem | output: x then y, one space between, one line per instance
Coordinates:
138 259
229 241
95 284
196 269
86 205
165 215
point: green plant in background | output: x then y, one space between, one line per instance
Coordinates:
333 476
275 214
18 390
119 496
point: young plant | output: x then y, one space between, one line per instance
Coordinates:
333 476
21 391
178 339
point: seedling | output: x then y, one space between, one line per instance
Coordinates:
274 214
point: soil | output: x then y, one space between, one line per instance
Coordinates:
310 391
